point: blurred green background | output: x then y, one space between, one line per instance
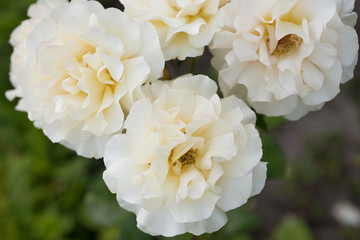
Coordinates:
47 192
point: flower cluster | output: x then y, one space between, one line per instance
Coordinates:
177 154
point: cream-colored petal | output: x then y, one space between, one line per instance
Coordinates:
216 221
246 159
259 177
234 191
188 210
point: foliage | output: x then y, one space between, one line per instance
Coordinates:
274 156
292 228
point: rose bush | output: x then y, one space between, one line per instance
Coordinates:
77 73
187 157
176 154
286 57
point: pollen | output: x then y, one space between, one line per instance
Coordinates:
287 44
186 160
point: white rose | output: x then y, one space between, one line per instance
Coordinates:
345 9
187 158
184 26
286 57
36 12
81 71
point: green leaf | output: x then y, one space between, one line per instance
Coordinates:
186 236
241 221
51 224
274 156
101 211
130 231
274 122
240 237
260 122
292 228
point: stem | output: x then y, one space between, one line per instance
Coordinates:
192 64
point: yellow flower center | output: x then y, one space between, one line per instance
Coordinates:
186 160
286 44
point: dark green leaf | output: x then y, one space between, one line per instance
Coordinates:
273 122
130 231
274 156
260 122
102 211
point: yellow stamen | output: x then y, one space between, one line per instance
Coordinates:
287 44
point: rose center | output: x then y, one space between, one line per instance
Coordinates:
186 160
286 44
